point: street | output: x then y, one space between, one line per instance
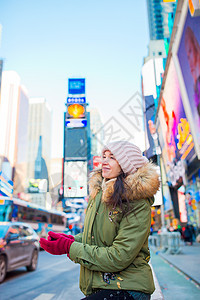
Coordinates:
178 275
55 278
174 285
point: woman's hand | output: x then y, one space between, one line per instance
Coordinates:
51 236
58 244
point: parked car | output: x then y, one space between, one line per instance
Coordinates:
19 247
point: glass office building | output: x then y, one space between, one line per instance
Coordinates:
159 15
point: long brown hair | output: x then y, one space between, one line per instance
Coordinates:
119 198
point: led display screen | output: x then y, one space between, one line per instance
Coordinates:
76 86
189 60
174 129
76 143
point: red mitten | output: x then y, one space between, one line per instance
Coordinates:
60 244
54 236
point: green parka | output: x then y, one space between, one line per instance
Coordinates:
113 249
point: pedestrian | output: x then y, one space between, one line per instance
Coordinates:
113 248
187 235
193 231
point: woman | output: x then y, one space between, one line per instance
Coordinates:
113 248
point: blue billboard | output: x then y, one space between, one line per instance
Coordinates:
76 100
6 185
73 123
76 86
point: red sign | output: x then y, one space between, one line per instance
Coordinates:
96 162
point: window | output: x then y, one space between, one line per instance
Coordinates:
25 231
13 230
5 212
56 219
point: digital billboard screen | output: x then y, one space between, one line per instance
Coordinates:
75 179
188 54
149 114
75 143
177 141
76 86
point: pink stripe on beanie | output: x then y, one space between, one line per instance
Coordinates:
128 155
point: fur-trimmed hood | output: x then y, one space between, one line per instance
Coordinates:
143 184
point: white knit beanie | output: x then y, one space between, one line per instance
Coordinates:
128 155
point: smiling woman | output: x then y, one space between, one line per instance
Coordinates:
113 248
110 166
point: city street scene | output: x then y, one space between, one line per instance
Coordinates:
100 149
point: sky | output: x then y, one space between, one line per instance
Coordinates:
47 41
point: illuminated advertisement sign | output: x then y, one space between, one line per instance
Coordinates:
75 184
194 7
76 143
97 160
76 100
149 114
6 185
187 60
75 111
37 186
174 133
75 123
181 204
76 86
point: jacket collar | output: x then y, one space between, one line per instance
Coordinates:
144 183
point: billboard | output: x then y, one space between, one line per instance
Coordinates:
149 115
76 86
182 205
75 179
76 143
79 100
6 185
75 123
175 135
75 111
152 71
187 59
37 186
97 161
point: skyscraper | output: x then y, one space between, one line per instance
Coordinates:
14 108
96 126
39 137
159 18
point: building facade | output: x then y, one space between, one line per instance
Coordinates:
158 17
177 121
97 134
14 109
39 140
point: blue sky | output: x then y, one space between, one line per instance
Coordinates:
47 41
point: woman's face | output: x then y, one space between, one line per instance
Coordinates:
110 166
